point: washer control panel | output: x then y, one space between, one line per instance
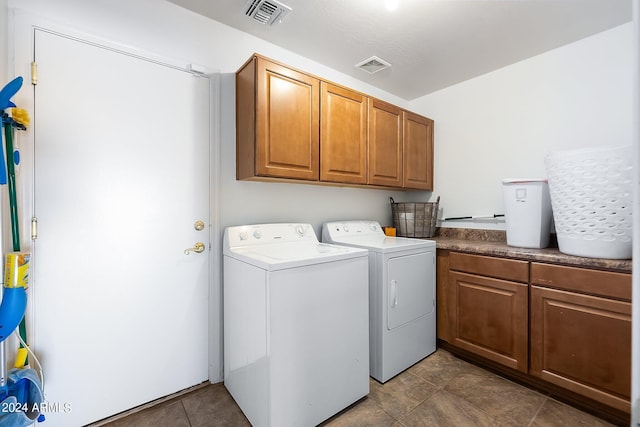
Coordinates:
264 234
340 229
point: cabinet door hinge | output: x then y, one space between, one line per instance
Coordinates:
34 73
34 228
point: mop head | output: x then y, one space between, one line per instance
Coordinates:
20 116
21 407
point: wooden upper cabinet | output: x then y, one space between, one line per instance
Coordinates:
292 125
385 144
343 135
277 122
418 152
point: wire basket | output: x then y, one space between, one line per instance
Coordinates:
416 219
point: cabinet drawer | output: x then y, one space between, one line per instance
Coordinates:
604 283
501 268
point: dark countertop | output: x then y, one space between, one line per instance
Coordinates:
494 243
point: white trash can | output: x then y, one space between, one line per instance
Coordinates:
527 212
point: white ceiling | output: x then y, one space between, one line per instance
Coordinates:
431 44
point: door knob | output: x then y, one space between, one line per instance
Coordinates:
198 247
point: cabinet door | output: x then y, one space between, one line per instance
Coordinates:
489 318
385 144
582 343
417 152
288 127
343 135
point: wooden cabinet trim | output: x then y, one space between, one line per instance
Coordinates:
595 282
246 120
442 298
501 268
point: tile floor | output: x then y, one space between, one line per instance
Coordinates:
441 390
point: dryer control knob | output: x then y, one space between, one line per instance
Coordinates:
257 234
345 228
243 235
373 227
300 230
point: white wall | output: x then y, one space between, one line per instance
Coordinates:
168 30
635 356
4 78
501 125
495 126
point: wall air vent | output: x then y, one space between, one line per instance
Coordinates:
373 65
266 12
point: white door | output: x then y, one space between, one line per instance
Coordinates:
121 177
412 291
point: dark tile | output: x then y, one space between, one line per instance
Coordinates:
213 406
365 413
554 413
401 394
445 409
508 403
441 391
170 414
441 367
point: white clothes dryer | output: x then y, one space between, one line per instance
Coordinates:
296 347
402 294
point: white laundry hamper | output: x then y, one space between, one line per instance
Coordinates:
591 193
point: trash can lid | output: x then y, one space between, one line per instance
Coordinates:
523 180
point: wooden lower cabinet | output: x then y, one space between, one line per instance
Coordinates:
488 314
582 342
565 330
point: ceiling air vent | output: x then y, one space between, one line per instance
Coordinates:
266 12
373 65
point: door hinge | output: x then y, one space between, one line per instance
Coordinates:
34 228
34 73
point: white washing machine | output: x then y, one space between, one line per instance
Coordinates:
296 347
402 294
